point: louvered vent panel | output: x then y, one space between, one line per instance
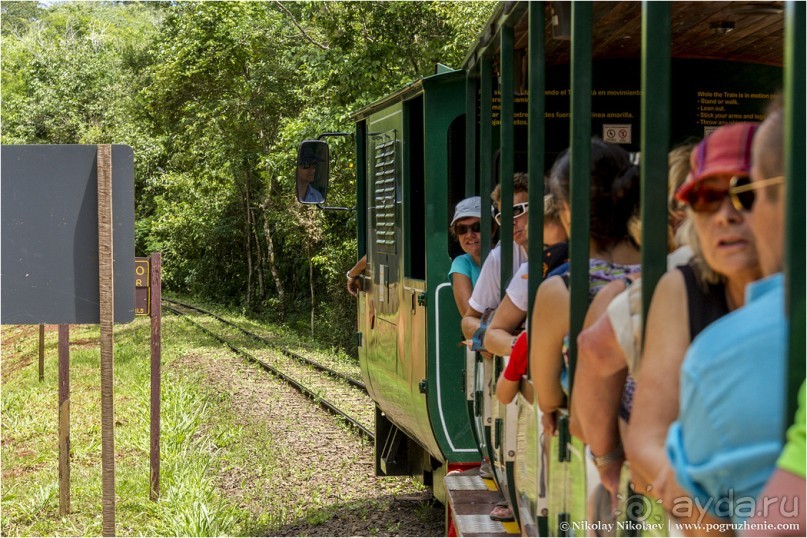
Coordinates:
384 191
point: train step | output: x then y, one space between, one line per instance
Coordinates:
469 501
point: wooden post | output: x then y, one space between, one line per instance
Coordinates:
41 352
107 318
64 419
156 358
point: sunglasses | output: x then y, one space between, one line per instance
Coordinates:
705 199
518 211
741 190
462 229
308 164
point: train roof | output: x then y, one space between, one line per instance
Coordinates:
736 31
408 91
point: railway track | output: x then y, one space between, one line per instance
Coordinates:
335 391
334 371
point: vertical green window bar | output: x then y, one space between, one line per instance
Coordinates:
506 153
485 142
794 114
536 134
655 142
361 188
470 133
580 173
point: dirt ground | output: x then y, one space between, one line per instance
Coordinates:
310 475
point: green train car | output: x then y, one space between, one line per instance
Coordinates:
410 172
542 77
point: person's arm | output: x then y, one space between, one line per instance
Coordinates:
786 484
509 382
462 287
655 403
499 337
548 327
692 515
506 390
600 366
354 282
788 489
598 381
487 286
471 322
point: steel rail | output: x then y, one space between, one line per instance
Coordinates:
312 395
356 383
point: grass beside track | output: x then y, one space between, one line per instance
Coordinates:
189 504
202 436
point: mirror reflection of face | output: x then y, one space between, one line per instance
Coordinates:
306 171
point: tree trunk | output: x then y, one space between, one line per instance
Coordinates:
270 251
261 291
248 238
310 283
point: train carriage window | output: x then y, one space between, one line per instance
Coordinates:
414 192
455 160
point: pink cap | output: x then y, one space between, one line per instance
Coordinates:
725 151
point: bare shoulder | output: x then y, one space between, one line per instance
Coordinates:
671 281
606 295
670 293
551 290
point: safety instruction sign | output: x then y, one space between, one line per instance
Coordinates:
617 133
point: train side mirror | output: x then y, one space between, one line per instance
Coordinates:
313 171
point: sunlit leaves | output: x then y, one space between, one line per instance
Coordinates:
214 97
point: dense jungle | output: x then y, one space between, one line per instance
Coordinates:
214 98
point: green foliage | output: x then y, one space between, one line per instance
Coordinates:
214 98
17 16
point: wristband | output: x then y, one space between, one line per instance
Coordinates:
617 454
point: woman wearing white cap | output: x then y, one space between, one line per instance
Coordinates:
466 267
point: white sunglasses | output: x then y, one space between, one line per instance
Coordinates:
518 211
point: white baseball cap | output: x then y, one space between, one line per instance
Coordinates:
470 207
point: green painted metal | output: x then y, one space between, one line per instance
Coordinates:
567 487
442 105
530 490
361 187
580 176
471 92
655 143
389 368
794 91
409 341
408 139
537 142
506 154
485 185
485 156
361 243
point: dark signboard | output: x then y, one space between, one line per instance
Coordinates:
50 234
705 95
